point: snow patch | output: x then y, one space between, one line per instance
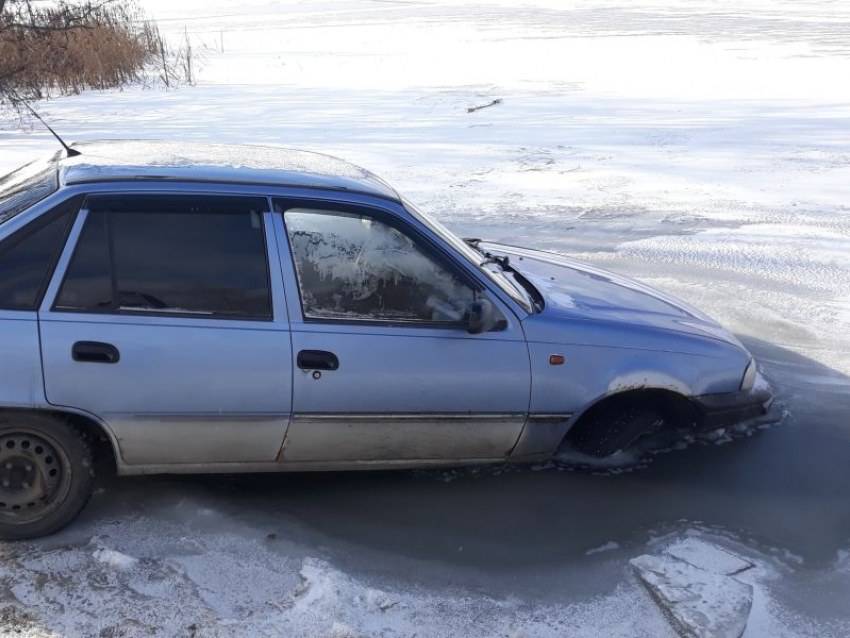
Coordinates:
243 587
704 555
115 559
607 547
698 602
842 560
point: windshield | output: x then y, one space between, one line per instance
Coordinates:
491 268
26 186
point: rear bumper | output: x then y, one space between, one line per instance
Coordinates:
723 410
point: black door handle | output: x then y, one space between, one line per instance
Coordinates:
95 352
317 360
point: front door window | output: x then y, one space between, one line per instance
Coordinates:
353 266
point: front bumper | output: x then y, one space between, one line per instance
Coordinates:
722 410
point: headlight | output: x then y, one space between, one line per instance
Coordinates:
749 376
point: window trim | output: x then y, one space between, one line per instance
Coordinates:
280 206
33 227
466 254
164 313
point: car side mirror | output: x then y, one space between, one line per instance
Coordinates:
485 317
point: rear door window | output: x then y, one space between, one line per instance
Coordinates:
28 256
177 255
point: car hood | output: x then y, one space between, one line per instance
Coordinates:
573 290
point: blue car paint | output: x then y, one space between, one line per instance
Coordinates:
481 397
617 334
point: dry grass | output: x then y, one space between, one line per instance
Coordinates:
67 48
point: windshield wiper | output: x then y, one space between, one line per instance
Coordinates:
473 242
517 281
504 261
537 299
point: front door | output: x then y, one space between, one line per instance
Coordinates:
162 322
385 368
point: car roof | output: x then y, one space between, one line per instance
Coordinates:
148 160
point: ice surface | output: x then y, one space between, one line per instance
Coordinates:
114 559
701 603
234 583
704 555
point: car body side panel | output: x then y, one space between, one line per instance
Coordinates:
195 414
591 372
21 380
397 437
186 390
406 395
603 358
300 466
404 391
179 393
21 383
173 457
412 369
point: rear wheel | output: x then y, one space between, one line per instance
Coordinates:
45 475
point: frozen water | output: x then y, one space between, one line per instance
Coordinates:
703 604
114 559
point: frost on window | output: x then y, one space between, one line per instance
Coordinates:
355 267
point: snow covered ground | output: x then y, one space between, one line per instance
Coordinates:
700 146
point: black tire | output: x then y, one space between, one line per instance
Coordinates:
45 474
613 429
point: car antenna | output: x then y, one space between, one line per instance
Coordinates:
68 150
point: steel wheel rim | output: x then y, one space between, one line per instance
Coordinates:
33 476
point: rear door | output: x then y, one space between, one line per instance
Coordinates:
166 319
27 257
385 367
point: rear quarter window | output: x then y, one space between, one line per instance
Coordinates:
27 186
28 256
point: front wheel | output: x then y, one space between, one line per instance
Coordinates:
616 429
45 475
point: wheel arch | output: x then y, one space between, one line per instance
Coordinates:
103 441
678 408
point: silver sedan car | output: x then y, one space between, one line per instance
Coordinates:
210 308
